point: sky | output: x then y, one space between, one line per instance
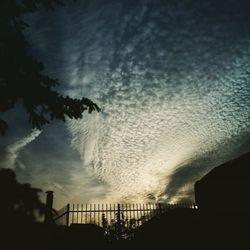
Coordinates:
172 80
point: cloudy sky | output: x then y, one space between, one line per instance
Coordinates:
172 80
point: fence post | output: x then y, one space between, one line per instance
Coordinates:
67 215
49 207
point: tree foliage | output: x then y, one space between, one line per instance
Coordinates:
20 203
21 77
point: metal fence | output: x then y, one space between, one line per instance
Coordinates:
108 214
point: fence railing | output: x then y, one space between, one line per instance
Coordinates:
62 216
105 215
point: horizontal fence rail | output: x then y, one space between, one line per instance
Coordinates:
108 215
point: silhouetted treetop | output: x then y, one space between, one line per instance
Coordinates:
21 76
19 202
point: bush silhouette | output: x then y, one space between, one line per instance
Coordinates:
20 203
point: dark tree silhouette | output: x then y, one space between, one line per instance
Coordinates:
21 77
20 203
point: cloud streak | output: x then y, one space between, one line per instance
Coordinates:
13 150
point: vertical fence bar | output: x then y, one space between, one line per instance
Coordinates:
146 211
119 213
110 212
136 213
130 211
119 220
102 215
81 212
67 215
126 214
73 209
114 212
153 211
86 213
77 213
107 216
123 212
98 214
141 213
149 211
143 209
91 213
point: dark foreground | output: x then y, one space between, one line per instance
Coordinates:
179 229
221 222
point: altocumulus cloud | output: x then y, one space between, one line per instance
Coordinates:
173 84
